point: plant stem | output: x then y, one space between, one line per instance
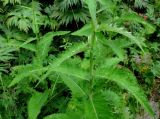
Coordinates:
94 109
92 39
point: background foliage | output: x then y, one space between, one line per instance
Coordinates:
89 59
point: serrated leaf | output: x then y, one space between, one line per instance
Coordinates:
56 116
72 71
114 45
111 96
45 42
127 80
116 48
92 9
73 50
133 17
25 71
109 28
73 85
23 24
97 108
109 5
116 102
111 62
35 104
25 45
86 30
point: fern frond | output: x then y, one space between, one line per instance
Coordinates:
5 50
140 3
6 53
15 19
48 22
65 11
65 4
36 16
69 16
23 24
5 2
3 67
26 17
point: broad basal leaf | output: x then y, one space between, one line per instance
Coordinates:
97 108
35 104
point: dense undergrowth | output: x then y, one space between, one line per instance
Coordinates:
80 59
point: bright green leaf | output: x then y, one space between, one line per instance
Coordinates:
35 104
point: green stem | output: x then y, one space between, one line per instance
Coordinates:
91 83
92 39
94 109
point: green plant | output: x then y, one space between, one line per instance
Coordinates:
89 78
68 11
87 98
